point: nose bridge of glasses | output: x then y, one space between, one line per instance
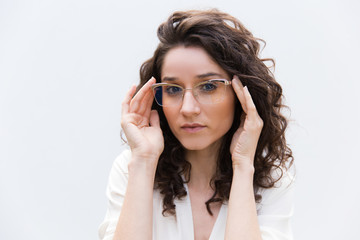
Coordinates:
191 92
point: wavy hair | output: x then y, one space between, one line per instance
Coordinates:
236 50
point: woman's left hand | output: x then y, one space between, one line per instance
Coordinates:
245 139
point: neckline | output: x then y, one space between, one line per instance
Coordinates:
191 220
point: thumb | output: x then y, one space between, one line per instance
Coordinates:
154 119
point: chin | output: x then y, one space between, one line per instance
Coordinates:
194 148
196 144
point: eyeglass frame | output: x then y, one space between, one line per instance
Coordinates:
227 82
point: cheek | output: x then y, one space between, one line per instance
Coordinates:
170 116
224 116
221 115
226 113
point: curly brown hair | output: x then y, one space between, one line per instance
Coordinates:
236 50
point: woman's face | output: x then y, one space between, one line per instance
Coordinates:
197 126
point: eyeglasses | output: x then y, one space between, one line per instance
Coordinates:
207 92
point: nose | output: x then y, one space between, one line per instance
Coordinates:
190 105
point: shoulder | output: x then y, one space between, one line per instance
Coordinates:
115 193
282 191
122 160
119 172
277 207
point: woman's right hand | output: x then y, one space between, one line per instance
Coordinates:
141 125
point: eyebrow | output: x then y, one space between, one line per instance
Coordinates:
210 74
201 76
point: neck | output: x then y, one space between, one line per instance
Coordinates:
203 166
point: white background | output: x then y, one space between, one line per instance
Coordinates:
65 66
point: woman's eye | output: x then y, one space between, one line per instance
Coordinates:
208 87
172 90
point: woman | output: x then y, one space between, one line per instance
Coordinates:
208 158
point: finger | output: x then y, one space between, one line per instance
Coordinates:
250 105
126 102
149 105
136 101
146 104
154 119
239 90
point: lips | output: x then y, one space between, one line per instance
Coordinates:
192 127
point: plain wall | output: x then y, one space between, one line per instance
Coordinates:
65 66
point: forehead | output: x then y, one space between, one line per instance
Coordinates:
190 63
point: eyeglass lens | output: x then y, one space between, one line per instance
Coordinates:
208 92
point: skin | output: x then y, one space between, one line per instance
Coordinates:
187 67
142 129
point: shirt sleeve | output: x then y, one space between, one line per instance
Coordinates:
115 193
276 209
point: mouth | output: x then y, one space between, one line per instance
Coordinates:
192 128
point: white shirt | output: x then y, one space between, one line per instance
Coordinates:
274 211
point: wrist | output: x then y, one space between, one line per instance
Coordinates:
143 163
244 167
